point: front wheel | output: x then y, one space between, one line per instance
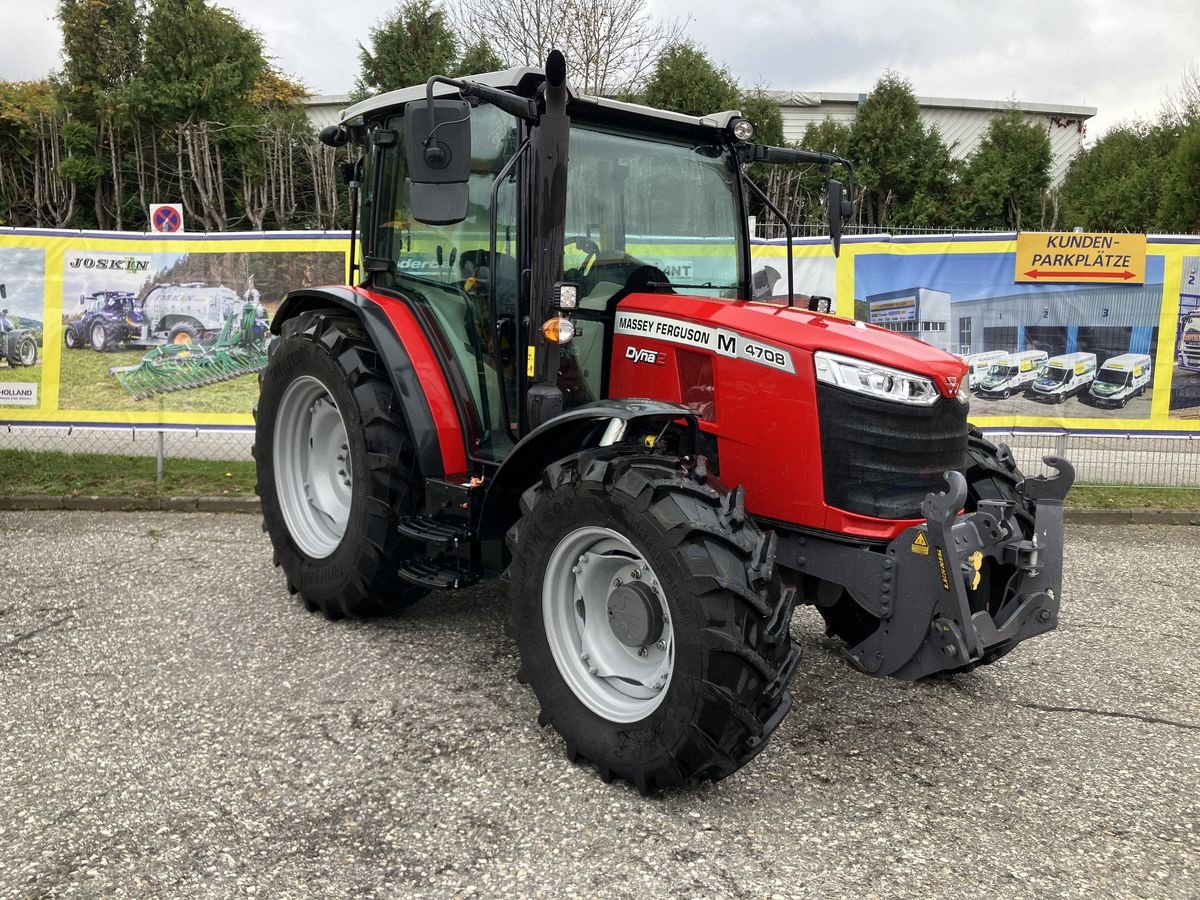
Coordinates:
650 621
72 338
100 338
336 469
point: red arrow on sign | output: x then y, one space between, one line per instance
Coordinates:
1050 273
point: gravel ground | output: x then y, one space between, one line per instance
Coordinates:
172 723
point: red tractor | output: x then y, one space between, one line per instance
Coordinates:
543 372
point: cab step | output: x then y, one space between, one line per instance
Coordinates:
436 574
436 533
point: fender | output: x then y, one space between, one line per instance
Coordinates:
415 407
578 429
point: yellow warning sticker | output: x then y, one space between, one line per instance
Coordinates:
921 545
530 359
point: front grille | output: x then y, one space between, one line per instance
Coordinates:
881 458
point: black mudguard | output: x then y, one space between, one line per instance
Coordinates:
573 431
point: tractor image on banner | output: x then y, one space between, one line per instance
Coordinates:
661 467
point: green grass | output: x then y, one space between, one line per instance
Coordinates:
41 472
22 373
86 384
1100 496
87 474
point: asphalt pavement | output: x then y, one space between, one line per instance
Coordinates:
174 724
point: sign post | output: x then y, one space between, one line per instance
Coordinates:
166 218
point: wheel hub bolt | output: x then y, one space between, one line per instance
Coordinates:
636 573
617 582
642 651
661 645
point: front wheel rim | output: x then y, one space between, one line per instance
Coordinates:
313 474
619 681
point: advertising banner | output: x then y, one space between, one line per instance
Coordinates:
171 330
1080 353
150 330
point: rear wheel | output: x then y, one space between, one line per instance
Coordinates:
650 621
184 333
24 352
336 469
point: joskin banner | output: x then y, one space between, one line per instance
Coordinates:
151 330
169 330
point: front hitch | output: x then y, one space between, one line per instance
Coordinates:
957 589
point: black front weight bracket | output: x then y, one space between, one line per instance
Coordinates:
920 586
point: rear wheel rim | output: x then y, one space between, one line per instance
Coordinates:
618 682
28 353
97 335
313 475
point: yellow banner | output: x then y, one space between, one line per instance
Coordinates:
146 330
1069 256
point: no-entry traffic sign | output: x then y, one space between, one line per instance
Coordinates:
166 218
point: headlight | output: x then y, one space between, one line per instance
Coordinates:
742 129
875 380
964 388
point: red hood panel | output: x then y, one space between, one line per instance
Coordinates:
804 330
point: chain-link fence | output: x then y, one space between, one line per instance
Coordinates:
1135 459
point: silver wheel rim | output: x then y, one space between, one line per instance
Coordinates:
97 335
313 477
28 353
615 681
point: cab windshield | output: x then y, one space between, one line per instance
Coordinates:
656 210
1113 377
1000 373
1055 376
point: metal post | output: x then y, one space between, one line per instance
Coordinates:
159 454
1060 444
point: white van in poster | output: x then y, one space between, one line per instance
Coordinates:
1120 379
1010 373
979 363
1063 377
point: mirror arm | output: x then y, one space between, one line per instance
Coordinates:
787 226
520 107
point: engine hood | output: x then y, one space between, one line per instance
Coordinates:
799 329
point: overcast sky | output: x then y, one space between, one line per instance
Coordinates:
1121 57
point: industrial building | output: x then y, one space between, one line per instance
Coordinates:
1107 321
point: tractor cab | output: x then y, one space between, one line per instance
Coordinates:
519 255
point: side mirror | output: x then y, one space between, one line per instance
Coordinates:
437 146
837 209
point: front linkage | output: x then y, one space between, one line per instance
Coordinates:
960 589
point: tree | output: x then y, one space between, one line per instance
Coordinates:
763 112
610 45
890 145
102 55
1116 185
1179 210
1008 174
479 57
687 81
407 47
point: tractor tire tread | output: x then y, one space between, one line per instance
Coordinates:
728 577
372 587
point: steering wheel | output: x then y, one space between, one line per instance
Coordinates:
589 247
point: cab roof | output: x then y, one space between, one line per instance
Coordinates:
525 80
